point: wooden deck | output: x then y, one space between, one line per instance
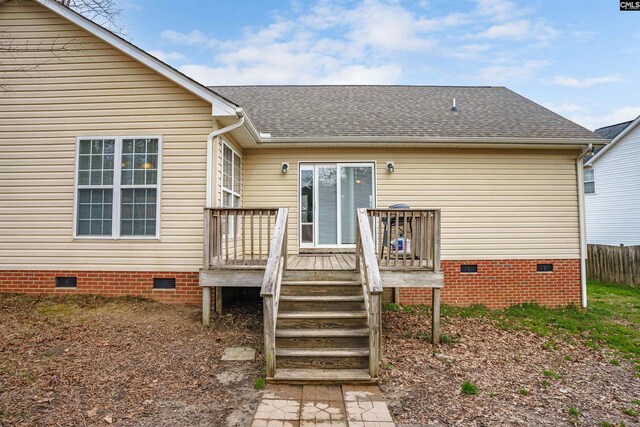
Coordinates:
322 262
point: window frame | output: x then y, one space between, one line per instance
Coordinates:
584 181
117 188
224 189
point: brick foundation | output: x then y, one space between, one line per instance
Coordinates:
497 284
106 283
501 283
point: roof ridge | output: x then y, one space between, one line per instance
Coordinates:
617 124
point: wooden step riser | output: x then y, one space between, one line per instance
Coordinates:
286 362
321 323
322 342
321 306
300 275
319 290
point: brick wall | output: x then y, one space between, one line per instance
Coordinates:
501 283
497 284
106 283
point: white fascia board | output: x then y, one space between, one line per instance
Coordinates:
220 106
613 142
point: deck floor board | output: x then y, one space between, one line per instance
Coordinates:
322 262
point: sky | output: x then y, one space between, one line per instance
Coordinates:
580 59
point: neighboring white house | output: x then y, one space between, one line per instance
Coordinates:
612 187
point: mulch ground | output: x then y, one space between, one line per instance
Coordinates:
88 361
422 383
91 361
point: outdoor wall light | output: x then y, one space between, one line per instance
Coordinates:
284 167
391 168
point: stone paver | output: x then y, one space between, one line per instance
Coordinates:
239 353
322 406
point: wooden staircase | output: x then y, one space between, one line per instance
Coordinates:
322 332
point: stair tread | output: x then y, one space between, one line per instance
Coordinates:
321 282
346 375
337 332
322 315
322 352
321 298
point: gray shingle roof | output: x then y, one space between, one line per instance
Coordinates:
398 111
611 131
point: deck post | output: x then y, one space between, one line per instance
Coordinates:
206 305
435 319
219 300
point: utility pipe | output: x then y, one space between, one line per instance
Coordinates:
218 132
582 224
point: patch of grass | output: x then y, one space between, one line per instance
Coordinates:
568 357
546 383
612 319
606 424
636 401
523 391
469 388
549 345
445 339
551 374
630 412
390 306
614 362
573 411
259 384
50 308
389 366
424 336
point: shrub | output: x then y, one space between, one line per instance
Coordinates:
469 388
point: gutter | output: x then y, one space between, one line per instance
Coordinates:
582 224
215 133
263 139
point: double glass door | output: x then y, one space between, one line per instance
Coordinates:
330 193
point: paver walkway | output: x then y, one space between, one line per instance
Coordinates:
322 406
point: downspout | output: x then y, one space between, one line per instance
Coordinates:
582 224
215 133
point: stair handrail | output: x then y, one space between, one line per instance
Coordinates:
367 266
270 291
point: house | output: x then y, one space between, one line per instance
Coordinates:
612 187
109 158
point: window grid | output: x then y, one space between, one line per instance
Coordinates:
231 177
589 181
95 175
100 208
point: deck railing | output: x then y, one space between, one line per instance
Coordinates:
367 266
270 291
237 236
406 239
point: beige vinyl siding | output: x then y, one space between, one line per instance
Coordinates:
47 101
496 204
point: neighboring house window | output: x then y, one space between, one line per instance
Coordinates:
589 181
118 187
231 170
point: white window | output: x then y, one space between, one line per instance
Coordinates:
589 181
118 187
231 170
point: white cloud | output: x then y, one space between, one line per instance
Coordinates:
296 74
618 115
195 37
564 107
167 56
503 74
500 10
519 30
468 51
587 81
